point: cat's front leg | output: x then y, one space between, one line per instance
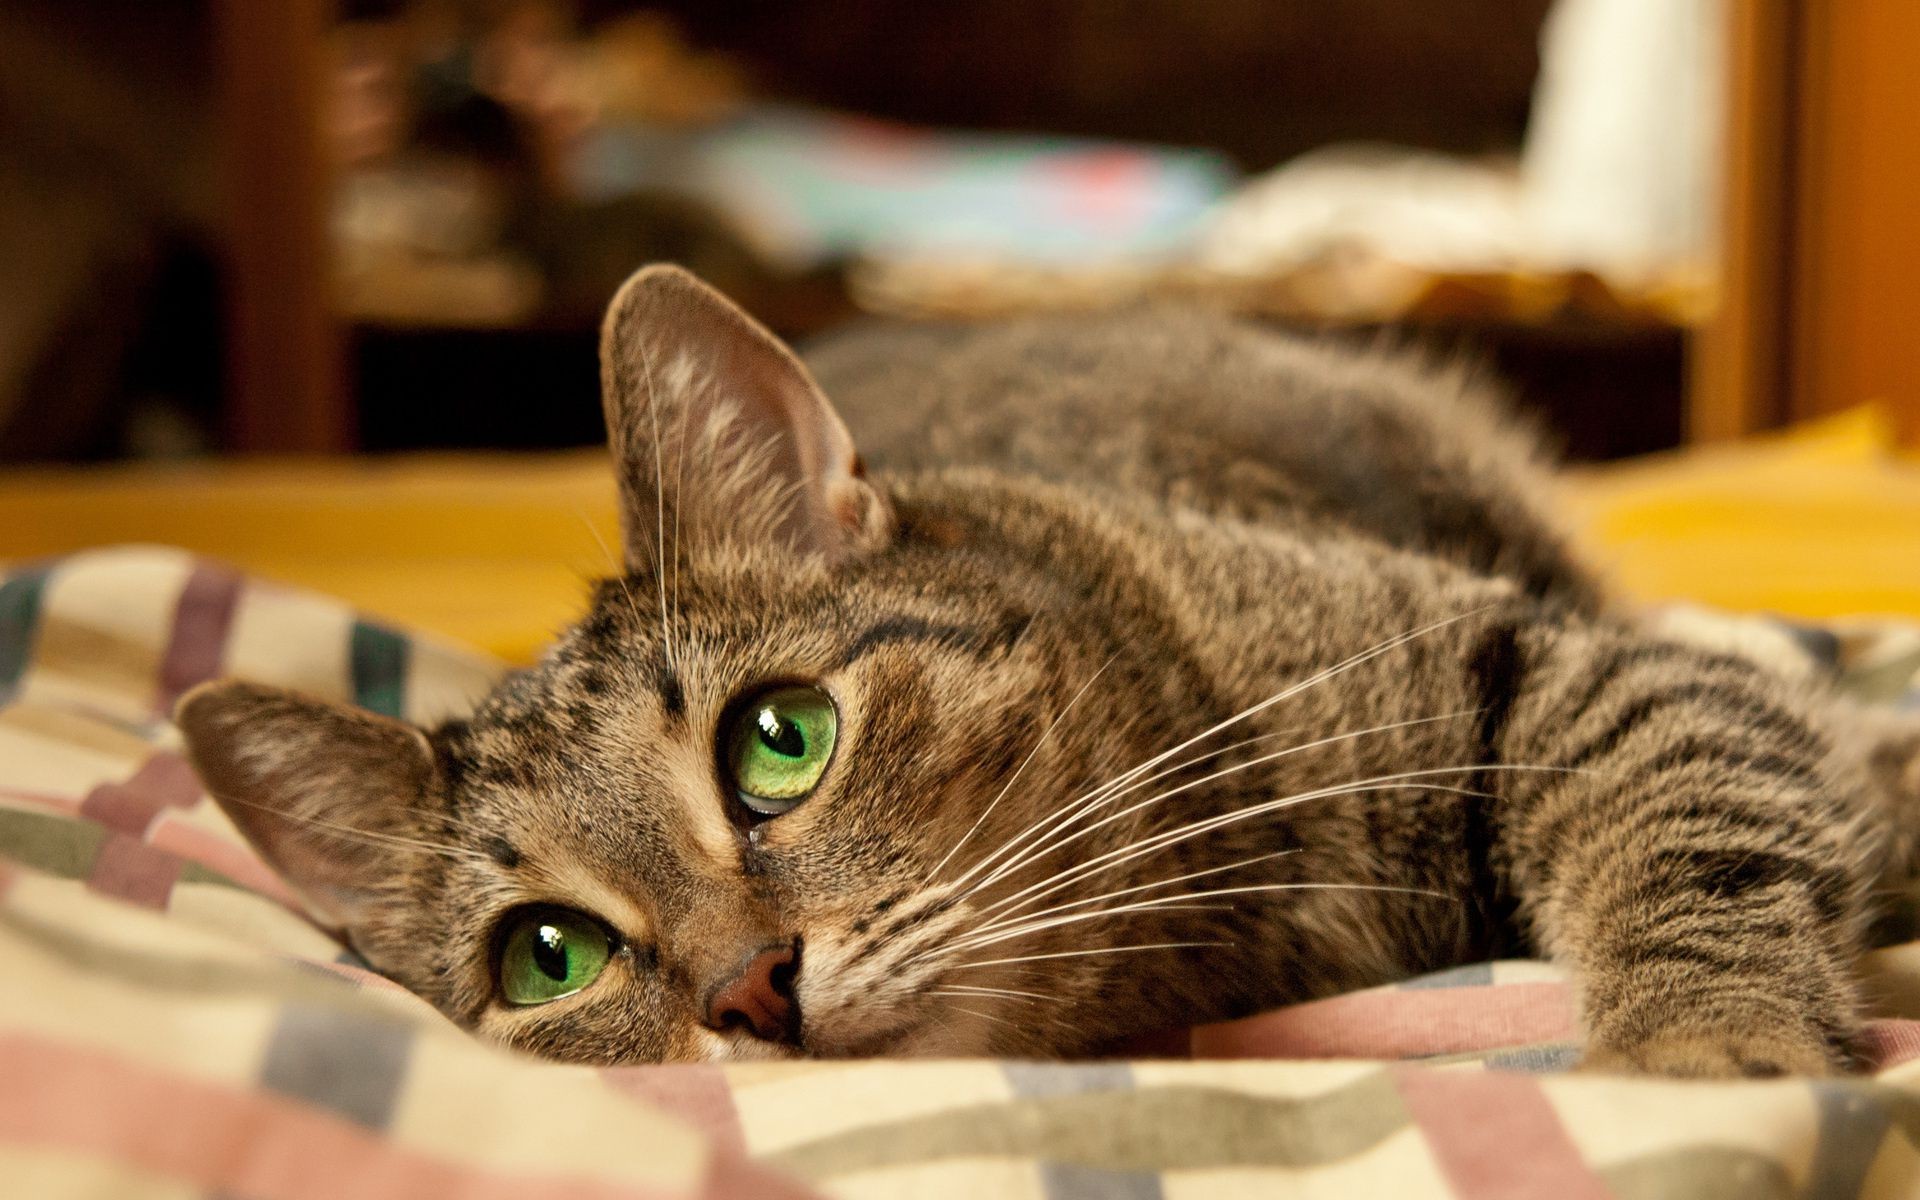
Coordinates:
1693 853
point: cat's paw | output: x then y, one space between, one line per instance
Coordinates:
1723 1054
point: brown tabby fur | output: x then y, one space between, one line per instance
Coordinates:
1088 541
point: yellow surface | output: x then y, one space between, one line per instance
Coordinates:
1823 521
494 549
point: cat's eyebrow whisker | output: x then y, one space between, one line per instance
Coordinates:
371 837
614 565
659 508
1164 903
1286 693
1044 848
1011 779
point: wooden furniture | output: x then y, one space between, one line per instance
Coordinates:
1820 276
286 382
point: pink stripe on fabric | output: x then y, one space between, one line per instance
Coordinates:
129 869
216 853
8 873
165 780
1406 1023
64 805
256 1144
358 976
696 1093
1495 1136
1889 1043
198 643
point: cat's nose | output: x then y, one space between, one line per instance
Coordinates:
759 996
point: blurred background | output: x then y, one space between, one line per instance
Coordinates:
233 226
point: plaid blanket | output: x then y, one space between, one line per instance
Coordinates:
170 1026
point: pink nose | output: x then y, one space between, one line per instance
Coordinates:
759 997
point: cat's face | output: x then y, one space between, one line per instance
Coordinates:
759 801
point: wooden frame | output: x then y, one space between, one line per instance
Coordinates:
1820 264
285 367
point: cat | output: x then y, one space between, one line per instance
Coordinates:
1165 669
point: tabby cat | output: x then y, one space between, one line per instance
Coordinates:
1165 669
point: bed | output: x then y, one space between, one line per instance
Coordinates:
170 1026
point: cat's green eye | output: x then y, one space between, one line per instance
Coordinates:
777 745
549 953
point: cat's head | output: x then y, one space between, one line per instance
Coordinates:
758 800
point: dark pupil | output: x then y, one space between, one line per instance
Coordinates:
781 736
550 953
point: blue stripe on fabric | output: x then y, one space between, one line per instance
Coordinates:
346 1062
379 658
1853 1123
1075 1181
20 598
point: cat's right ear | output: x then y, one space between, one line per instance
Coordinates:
720 435
329 795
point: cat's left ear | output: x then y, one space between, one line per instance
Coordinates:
719 432
331 796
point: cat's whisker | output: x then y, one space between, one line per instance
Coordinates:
1254 709
1404 780
974 1012
974 989
1011 779
370 837
614 565
1166 903
1042 849
1055 817
1010 918
997 962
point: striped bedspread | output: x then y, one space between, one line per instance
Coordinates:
169 1026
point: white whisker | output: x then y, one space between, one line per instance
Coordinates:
1164 903
964 989
1041 850
613 564
1404 780
974 1012
1284 694
1011 779
1128 891
997 962
371 837
1094 798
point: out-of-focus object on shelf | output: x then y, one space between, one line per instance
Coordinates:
285 367
812 188
1601 216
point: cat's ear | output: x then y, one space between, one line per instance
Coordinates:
719 433
329 795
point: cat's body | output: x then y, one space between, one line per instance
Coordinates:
1179 669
